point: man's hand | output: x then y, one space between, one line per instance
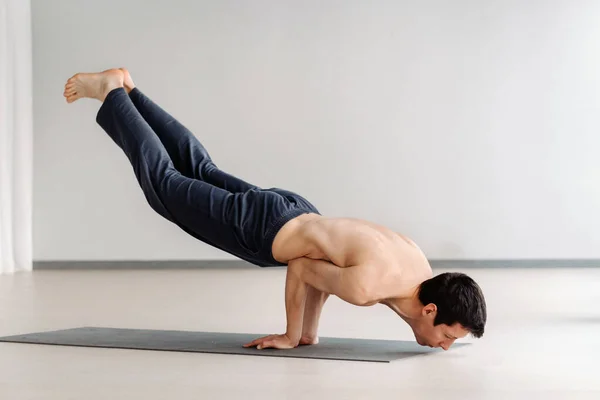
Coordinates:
273 341
308 340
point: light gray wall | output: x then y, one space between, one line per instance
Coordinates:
473 127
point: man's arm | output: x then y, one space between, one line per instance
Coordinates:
295 299
352 284
315 299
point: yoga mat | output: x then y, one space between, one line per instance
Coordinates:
225 343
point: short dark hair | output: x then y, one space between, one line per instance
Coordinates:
458 299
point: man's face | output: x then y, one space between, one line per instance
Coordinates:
441 335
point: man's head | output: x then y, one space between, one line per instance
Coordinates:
452 307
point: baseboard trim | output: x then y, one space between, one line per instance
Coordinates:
140 264
517 263
236 264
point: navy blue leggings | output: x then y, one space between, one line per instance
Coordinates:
182 183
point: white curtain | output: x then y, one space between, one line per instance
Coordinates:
16 136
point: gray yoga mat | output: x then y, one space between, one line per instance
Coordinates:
225 343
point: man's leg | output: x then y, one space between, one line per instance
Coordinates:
243 223
201 209
187 153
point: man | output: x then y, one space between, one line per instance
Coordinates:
360 262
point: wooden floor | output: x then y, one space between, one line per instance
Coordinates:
542 339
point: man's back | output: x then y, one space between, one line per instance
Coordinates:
390 258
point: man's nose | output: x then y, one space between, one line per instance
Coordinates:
446 344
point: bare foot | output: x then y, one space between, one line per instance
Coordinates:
127 81
93 85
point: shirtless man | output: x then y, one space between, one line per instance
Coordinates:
361 262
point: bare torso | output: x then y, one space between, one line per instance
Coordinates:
394 260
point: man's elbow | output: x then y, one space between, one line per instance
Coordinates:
363 294
296 267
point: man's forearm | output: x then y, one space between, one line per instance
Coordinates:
295 299
315 299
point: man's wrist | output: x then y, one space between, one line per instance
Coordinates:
309 334
295 339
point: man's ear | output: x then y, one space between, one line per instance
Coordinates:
429 309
